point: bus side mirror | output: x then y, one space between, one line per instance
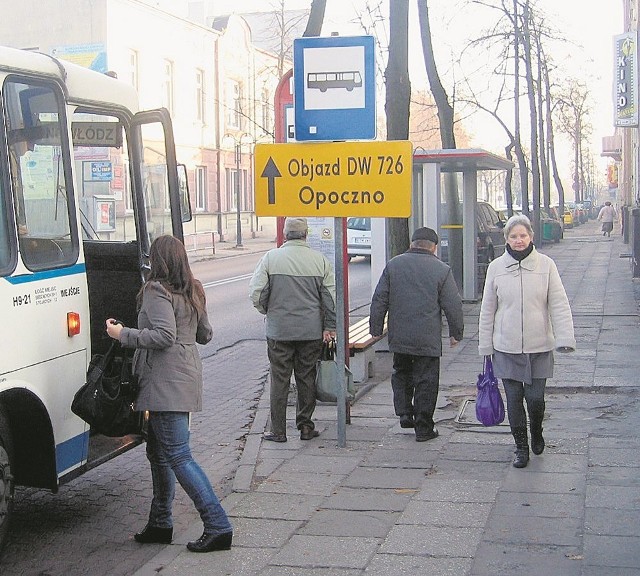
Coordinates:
183 190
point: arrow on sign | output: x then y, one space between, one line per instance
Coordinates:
271 172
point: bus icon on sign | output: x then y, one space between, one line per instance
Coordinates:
325 80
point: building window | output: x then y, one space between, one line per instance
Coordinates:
201 188
134 78
232 178
167 86
200 96
234 104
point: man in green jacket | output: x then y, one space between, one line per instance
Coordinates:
294 286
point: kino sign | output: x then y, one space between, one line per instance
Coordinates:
338 179
626 81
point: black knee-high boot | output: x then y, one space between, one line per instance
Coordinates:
522 446
535 424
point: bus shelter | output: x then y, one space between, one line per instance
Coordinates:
444 197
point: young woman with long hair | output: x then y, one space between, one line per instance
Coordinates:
172 318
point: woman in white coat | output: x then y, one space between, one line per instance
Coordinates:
524 316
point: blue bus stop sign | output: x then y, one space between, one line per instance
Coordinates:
334 88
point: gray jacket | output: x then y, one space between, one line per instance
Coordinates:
166 360
294 286
415 288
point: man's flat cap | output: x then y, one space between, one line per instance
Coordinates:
425 234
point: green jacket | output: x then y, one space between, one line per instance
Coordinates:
294 286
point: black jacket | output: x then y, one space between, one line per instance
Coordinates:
415 288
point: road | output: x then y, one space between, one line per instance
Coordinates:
87 527
234 320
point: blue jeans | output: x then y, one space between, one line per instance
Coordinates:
170 458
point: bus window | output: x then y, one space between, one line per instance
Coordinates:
40 175
155 183
104 185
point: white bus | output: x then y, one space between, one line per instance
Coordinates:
86 183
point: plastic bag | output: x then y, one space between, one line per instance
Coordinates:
489 404
326 375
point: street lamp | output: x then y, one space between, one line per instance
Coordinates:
237 143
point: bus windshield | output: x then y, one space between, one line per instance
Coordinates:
39 175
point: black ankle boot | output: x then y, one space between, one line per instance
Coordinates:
211 542
536 416
154 535
521 458
537 440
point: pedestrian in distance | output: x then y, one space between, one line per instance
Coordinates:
172 318
524 316
414 289
607 216
294 286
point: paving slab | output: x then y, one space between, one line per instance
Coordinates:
387 505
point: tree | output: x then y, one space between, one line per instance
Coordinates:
533 118
397 101
447 136
573 113
316 18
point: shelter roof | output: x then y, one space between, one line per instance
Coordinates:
462 160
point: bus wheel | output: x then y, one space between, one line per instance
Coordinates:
6 478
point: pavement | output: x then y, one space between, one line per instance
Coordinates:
387 505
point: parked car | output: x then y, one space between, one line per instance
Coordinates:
359 237
567 219
578 217
490 240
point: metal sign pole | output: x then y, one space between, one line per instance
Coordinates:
341 384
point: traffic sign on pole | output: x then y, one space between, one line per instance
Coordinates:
334 88
338 179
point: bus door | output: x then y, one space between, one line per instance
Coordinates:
158 189
129 194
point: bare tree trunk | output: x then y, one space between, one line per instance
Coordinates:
544 162
522 162
535 167
398 96
576 161
551 143
316 18
445 110
448 139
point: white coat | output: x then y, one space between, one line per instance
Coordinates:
524 308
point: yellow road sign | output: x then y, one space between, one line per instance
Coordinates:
338 179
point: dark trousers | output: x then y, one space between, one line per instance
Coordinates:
532 393
299 357
415 381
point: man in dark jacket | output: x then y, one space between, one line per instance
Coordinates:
415 288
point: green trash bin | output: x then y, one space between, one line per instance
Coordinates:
547 232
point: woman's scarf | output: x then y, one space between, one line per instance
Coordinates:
520 255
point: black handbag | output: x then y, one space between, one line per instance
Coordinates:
106 400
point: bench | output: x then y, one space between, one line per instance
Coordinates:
361 353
